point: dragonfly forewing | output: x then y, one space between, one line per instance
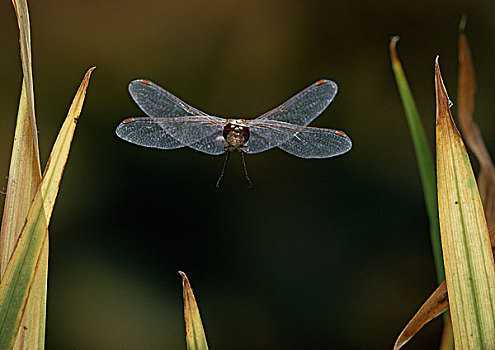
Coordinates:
158 102
144 131
304 107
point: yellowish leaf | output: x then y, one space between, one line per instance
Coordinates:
28 255
195 334
468 258
22 14
24 179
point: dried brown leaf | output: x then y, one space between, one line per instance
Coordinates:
435 305
470 130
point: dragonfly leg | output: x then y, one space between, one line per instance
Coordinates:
223 168
245 170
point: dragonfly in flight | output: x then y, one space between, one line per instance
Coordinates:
171 123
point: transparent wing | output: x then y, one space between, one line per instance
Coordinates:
201 133
317 143
301 141
267 134
158 102
212 144
304 107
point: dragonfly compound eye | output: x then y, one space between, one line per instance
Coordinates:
245 133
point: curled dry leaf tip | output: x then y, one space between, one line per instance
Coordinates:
393 48
184 277
463 22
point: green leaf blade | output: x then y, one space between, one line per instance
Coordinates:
424 157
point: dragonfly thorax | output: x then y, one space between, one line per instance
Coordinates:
236 133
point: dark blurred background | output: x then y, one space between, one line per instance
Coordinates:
322 254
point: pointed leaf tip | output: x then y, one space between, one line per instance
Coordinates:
443 101
393 49
195 334
76 106
185 280
435 305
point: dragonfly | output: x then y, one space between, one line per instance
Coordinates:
171 123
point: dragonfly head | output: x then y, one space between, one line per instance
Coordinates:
236 133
